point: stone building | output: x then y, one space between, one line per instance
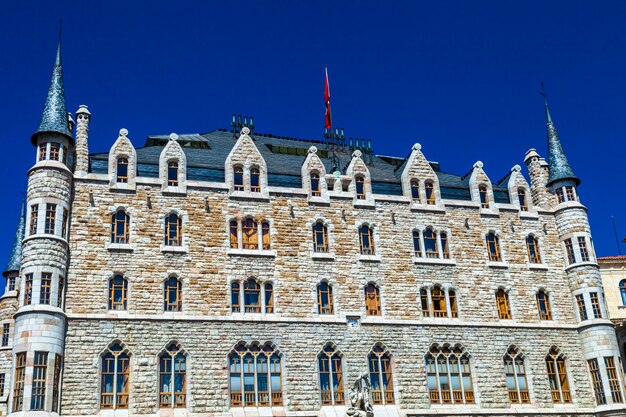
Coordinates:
237 273
613 272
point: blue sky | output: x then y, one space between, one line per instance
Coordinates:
462 78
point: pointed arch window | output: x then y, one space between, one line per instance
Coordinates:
173 295
366 240
172 173
417 247
415 190
429 187
249 229
265 235
445 251
320 237
255 376
454 311
504 307
173 230
122 169
234 234
515 372
622 291
324 298
315 185
484 197
381 377
424 304
449 375
360 187
120 227
269 298
255 180
439 302
430 243
372 300
234 297
238 178
532 247
331 376
557 376
252 296
115 372
493 247
543 305
172 377
523 200
34 213
118 293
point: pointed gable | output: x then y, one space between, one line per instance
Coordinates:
173 152
417 170
357 169
517 182
314 165
123 148
478 179
246 155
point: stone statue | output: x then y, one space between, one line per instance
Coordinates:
360 398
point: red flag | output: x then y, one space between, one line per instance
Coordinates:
329 123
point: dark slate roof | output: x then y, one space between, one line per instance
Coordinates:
207 152
557 161
15 259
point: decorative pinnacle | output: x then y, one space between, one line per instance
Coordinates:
173 137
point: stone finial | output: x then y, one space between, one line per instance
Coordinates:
356 154
417 147
516 168
173 137
245 131
123 132
478 164
531 153
313 149
84 110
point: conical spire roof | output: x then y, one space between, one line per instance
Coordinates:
557 161
15 260
54 116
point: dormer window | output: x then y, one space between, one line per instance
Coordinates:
255 180
172 174
55 151
360 188
484 199
415 190
122 169
238 178
315 184
430 192
523 203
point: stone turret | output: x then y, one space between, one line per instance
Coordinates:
83 116
538 173
12 269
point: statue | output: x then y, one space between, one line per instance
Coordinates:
360 398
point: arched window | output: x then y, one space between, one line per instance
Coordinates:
122 169
532 246
417 247
543 305
445 251
234 297
118 293
523 202
324 298
173 295
381 377
430 243
114 378
249 234
238 178
424 304
372 300
331 376
173 230
454 311
172 377
493 247
251 296
622 290
429 187
315 184
366 239
255 376
255 180
360 187
502 302
439 302
265 235
234 234
172 173
557 376
120 227
415 190
515 372
484 198
320 238
269 298
449 376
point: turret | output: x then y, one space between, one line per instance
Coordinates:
82 140
12 269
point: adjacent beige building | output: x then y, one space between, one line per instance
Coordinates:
613 272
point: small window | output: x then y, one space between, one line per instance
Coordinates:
372 300
55 151
366 239
315 185
234 239
42 151
438 297
595 305
268 289
265 235
252 296
173 230
453 308
65 155
430 192
28 289
360 188
2 381
250 234
172 174
543 305
569 250
51 215
415 191
120 226
34 212
60 292
118 293
560 196
172 378
380 376
18 381
173 295
445 251
622 290
502 302
484 198
582 307
11 281
235 305
596 379
569 192
424 304
6 332
532 247
557 376
320 238
324 298
255 180
417 247
56 382
523 202
122 170
238 178
430 244
64 223
493 247
582 246
46 286
515 371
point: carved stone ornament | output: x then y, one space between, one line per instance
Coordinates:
360 398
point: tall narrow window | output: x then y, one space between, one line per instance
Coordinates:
65 154
417 247
324 298
173 230
360 187
46 286
252 296
366 239
2 381
430 192
172 173
18 383
42 151
453 307
11 281
504 308
238 178
424 304
64 223
569 250
122 169
6 329
381 377
438 297
118 293
28 289
493 247
415 191
331 376
582 308
372 300
269 298
56 382
120 227
38 394
595 305
34 211
255 180
51 214
569 191
320 238
515 371
557 376
543 305
430 243
255 376
172 377
614 385
449 376
445 251
173 295
315 184
60 291
55 151
265 235
598 387
235 303
582 246
622 290
115 374
523 202
532 247
250 234
560 197
234 237
484 198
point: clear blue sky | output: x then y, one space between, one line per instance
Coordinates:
462 78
